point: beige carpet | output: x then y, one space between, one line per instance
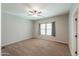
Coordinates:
37 47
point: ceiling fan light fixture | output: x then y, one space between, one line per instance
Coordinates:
34 12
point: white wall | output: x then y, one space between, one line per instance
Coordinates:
72 30
14 29
61 28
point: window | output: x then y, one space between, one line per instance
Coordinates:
47 29
42 29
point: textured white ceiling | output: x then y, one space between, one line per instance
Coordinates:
48 9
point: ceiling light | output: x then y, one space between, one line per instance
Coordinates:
34 12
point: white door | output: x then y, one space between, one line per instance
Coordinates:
75 29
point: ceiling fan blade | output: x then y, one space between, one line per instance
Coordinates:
31 11
39 12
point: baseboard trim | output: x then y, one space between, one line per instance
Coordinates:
13 42
61 42
53 40
31 38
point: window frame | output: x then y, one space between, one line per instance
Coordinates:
40 29
46 28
